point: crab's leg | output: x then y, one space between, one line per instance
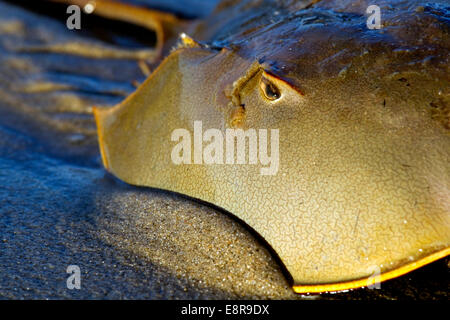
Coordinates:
163 24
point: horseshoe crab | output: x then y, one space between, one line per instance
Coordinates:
362 190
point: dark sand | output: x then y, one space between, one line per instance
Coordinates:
58 207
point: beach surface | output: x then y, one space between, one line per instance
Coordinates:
59 207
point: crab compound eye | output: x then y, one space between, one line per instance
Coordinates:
269 89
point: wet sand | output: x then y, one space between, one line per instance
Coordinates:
58 207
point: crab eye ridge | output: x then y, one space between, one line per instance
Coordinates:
269 89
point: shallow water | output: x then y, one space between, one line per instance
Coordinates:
58 207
